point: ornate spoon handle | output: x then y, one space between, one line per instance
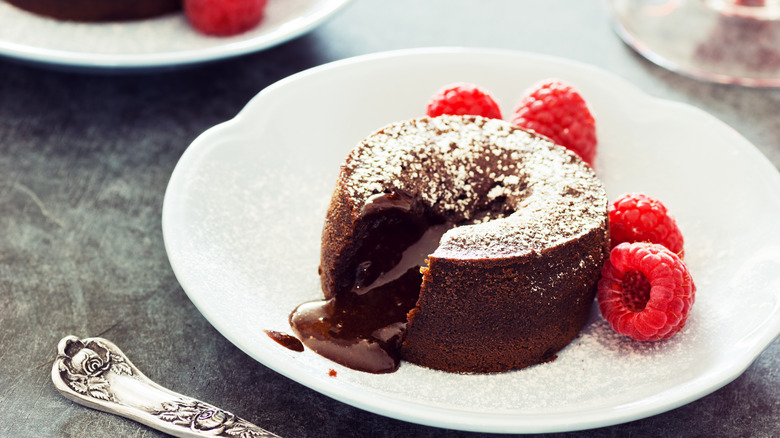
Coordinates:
95 373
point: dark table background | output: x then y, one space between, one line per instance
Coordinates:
84 162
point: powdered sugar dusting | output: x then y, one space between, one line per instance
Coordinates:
600 367
518 191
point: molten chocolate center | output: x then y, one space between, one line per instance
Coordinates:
362 324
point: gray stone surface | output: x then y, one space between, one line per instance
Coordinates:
84 162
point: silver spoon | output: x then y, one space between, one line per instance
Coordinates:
95 373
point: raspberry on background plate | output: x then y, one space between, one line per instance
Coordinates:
224 17
646 292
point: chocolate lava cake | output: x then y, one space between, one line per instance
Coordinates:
98 10
513 278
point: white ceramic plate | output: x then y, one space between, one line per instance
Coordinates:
244 209
158 42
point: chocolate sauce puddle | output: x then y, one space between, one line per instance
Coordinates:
362 332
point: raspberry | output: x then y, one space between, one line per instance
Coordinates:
636 217
557 110
645 292
463 99
224 17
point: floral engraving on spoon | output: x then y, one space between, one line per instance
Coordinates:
199 416
95 373
83 366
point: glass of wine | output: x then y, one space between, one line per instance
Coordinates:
725 41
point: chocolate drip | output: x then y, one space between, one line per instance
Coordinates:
285 340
